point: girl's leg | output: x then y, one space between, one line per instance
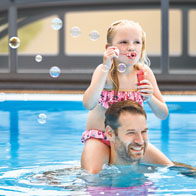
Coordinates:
155 156
95 154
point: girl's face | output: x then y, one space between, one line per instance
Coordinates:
128 39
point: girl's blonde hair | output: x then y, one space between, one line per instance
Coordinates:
143 59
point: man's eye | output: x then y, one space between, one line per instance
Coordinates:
130 133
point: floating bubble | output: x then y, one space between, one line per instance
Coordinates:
55 72
25 97
75 32
14 42
38 58
105 68
121 67
2 97
56 24
94 35
42 118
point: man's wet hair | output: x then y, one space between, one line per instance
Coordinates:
113 112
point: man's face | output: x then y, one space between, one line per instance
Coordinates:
131 142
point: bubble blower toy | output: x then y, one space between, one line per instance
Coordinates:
106 68
117 51
140 76
130 55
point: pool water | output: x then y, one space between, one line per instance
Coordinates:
40 152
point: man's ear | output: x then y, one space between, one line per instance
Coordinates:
109 133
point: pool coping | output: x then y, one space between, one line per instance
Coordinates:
76 97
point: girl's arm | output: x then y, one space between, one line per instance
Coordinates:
153 95
91 95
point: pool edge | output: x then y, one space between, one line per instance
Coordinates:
76 97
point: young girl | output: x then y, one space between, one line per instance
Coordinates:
125 47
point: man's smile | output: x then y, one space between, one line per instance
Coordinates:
137 149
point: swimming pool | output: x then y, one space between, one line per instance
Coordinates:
40 149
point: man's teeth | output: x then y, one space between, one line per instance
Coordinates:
137 148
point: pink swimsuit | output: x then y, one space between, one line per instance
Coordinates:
106 99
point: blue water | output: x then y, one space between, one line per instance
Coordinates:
43 157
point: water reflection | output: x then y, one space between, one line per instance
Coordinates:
14 138
67 178
112 179
28 148
165 136
125 180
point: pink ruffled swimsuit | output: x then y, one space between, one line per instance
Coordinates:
106 99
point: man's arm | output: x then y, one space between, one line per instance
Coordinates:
154 156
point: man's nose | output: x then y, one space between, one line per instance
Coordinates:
139 139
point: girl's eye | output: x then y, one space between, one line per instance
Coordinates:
137 42
123 42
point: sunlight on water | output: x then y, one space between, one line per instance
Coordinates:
67 178
43 159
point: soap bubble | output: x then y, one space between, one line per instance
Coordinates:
121 67
14 42
42 118
105 68
55 72
75 32
56 23
25 97
94 35
38 58
2 97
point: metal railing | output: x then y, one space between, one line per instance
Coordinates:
171 72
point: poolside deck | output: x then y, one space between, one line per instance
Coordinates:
82 91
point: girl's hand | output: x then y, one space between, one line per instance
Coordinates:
110 53
145 89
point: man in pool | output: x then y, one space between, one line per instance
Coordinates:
127 131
